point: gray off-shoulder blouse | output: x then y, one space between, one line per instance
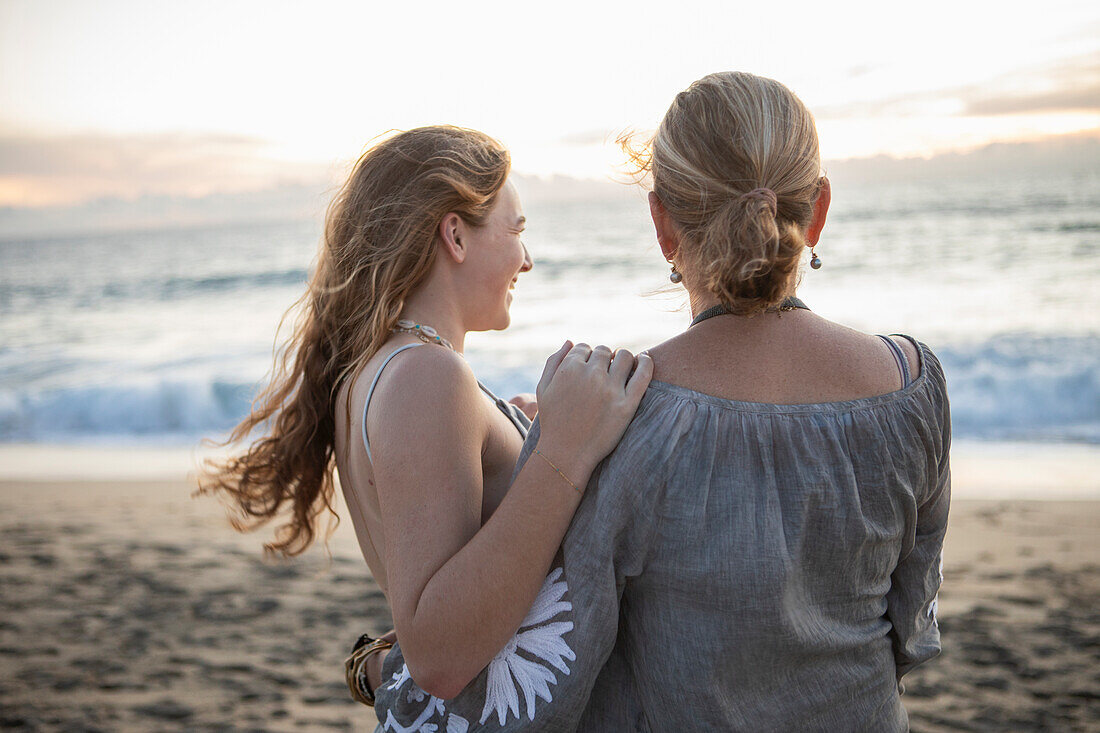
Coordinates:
732 566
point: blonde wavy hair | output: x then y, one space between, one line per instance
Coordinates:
378 247
725 137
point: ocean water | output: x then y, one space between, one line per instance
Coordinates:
164 336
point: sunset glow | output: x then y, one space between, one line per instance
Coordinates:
198 97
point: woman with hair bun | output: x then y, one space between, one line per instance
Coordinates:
762 550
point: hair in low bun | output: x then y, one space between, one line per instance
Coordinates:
746 256
736 164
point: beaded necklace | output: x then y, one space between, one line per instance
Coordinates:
427 334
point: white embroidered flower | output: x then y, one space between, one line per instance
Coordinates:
399 677
421 724
543 642
457 724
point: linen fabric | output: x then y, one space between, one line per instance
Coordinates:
732 566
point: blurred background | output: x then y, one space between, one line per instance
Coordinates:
164 171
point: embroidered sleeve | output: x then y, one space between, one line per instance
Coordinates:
541 680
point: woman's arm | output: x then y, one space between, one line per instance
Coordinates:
567 643
915 585
915 582
459 590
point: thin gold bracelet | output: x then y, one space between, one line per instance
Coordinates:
551 464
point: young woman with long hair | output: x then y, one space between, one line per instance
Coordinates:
421 246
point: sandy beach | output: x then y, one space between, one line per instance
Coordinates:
126 605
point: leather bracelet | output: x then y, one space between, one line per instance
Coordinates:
355 667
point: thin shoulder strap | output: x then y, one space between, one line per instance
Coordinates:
900 359
513 413
370 392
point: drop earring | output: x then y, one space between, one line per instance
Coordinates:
815 261
675 276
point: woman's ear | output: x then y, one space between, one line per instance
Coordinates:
667 236
450 234
821 210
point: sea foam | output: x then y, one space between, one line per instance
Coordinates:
1013 387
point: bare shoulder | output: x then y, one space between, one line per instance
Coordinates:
868 349
421 386
668 356
802 359
426 373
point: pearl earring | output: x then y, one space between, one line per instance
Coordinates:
675 276
815 261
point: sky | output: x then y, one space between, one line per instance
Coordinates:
120 99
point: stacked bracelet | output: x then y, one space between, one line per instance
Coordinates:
355 667
551 464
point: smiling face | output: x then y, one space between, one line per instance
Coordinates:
495 258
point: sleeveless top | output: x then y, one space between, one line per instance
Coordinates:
366 505
733 566
513 413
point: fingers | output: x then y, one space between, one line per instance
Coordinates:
580 351
622 365
600 357
552 364
637 384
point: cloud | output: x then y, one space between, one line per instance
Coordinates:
112 154
909 105
285 202
558 189
1070 85
587 137
282 201
275 203
1062 100
49 170
1060 155
854 72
